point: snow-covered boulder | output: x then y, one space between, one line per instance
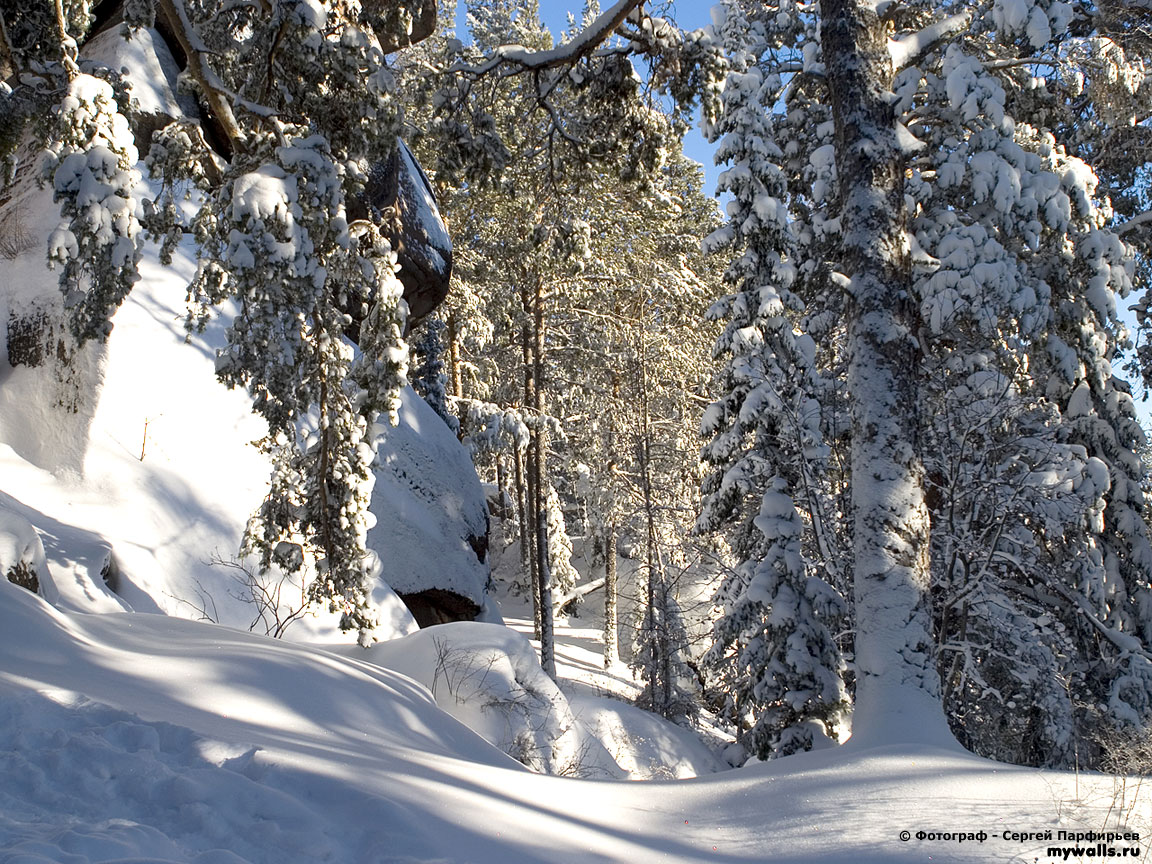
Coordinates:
22 559
431 529
644 744
47 381
488 677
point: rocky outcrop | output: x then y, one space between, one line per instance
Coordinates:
22 560
437 606
399 198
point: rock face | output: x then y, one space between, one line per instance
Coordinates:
437 606
416 19
152 73
431 531
399 198
47 401
420 239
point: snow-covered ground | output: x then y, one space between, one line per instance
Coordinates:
150 738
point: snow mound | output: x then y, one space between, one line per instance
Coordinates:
22 558
149 737
488 677
645 745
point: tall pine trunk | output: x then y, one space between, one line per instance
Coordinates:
611 627
897 686
540 445
531 497
454 376
518 457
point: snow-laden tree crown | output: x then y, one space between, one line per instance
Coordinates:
933 223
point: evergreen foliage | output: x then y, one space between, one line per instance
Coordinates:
1025 439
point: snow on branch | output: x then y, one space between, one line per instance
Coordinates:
1136 222
907 49
579 592
523 60
220 98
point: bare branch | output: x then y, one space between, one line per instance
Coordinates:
1135 223
195 50
523 60
67 43
7 55
579 592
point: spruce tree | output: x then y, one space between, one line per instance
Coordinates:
945 239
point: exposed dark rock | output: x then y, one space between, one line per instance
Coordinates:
437 606
400 200
388 16
24 575
110 574
27 339
479 544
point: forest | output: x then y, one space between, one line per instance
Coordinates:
384 328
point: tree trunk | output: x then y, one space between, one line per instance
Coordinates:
611 590
611 628
531 498
897 686
7 58
522 514
454 376
655 617
547 643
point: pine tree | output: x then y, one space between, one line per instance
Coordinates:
428 376
938 246
768 430
299 105
564 234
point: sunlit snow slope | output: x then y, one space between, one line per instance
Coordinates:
148 737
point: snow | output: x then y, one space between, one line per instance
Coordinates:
106 487
22 550
266 193
488 677
133 737
906 49
151 71
428 502
431 228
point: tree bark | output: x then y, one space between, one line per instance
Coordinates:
528 537
177 19
454 375
611 626
547 641
897 685
611 590
522 514
7 55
